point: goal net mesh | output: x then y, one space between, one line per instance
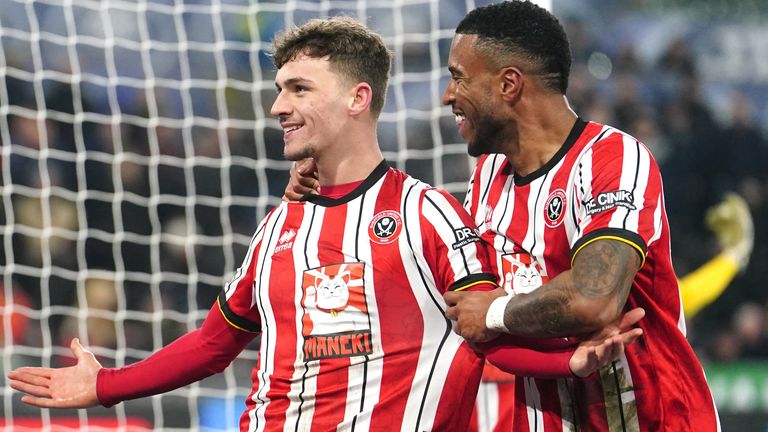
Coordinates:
138 155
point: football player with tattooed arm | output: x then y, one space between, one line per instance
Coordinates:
575 212
582 205
345 287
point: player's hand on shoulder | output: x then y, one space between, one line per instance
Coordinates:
303 180
468 310
69 387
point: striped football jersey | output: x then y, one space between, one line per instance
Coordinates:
601 184
347 295
495 402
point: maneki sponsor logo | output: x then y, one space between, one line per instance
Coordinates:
335 322
349 344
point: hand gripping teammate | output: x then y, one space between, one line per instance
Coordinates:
576 207
582 204
345 287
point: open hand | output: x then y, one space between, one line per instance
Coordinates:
605 346
69 387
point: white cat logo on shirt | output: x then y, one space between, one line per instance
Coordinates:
327 303
335 322
522 274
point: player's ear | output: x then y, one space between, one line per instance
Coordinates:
360 99
510 83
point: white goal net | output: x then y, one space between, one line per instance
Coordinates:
138 155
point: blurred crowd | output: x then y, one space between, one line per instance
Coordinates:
702 154
170 209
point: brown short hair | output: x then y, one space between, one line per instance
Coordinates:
355 51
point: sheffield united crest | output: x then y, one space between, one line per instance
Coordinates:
554 208
385 227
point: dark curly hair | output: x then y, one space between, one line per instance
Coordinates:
354 51
522 31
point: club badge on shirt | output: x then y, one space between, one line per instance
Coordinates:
554 208
335 321
385 227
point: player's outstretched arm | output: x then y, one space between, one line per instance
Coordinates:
303 180
190 358
559 358
69 387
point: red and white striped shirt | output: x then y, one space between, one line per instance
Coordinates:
601 184
495 402
348 296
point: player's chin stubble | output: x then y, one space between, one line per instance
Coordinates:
304 152
487 137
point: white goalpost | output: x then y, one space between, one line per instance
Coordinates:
138 155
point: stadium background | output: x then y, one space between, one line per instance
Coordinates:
138 155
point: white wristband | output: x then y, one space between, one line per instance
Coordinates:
494 318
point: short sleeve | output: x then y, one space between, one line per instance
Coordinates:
617 194
236 300
459 258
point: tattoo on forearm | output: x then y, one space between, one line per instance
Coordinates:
603 270
544 313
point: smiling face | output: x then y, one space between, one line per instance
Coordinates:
311 105
333 293
471 93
